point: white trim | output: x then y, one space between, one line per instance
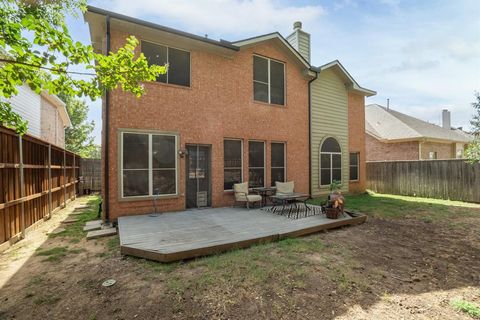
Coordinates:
270 36
61 107
241 160
355 85
331 162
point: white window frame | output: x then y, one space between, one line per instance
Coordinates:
264 163
150 164
357 165
168 61
241 158
269 82
331 163
284 160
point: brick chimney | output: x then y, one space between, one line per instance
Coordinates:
300 40
446 123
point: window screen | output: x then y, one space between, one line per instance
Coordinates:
178 60
278 162
232 168
268 81
256 164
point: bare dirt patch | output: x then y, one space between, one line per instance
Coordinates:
387 268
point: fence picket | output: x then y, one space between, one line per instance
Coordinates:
453 179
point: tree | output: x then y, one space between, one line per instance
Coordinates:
78 137
473 151
475 122
34 37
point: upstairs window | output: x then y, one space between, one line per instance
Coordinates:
268 80
178 63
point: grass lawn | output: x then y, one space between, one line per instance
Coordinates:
394 206
413 258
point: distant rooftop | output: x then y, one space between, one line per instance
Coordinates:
388 124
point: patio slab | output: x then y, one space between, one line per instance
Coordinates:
192 233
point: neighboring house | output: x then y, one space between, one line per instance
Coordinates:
226 112
46 114
391 135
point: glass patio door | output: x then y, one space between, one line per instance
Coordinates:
198 176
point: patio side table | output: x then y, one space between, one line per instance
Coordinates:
264 192
290 198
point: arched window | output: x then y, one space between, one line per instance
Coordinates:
330 162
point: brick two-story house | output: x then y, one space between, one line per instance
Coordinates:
225 112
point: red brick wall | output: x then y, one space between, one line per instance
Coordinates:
219 104
356 137
379 151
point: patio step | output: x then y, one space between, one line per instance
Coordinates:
92 227
57 230
81 207
101 233
93 222
70 220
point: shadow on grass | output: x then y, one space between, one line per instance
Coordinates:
74 231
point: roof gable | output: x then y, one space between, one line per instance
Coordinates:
343 73
274 36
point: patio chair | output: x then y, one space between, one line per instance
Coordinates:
241 194
284 187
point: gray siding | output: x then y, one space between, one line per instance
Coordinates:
27 104
300 40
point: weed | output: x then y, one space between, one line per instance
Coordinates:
36 280
466 307
53 254
46 299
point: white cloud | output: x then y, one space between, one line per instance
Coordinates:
423 55
221 17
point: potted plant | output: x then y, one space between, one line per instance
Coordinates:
336 201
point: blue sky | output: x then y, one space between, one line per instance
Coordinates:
423 55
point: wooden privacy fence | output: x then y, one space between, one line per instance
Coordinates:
36 179
90 176
442 179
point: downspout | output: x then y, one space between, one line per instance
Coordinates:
106 192
310 133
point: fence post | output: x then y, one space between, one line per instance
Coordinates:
64 178
22 186
49 180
